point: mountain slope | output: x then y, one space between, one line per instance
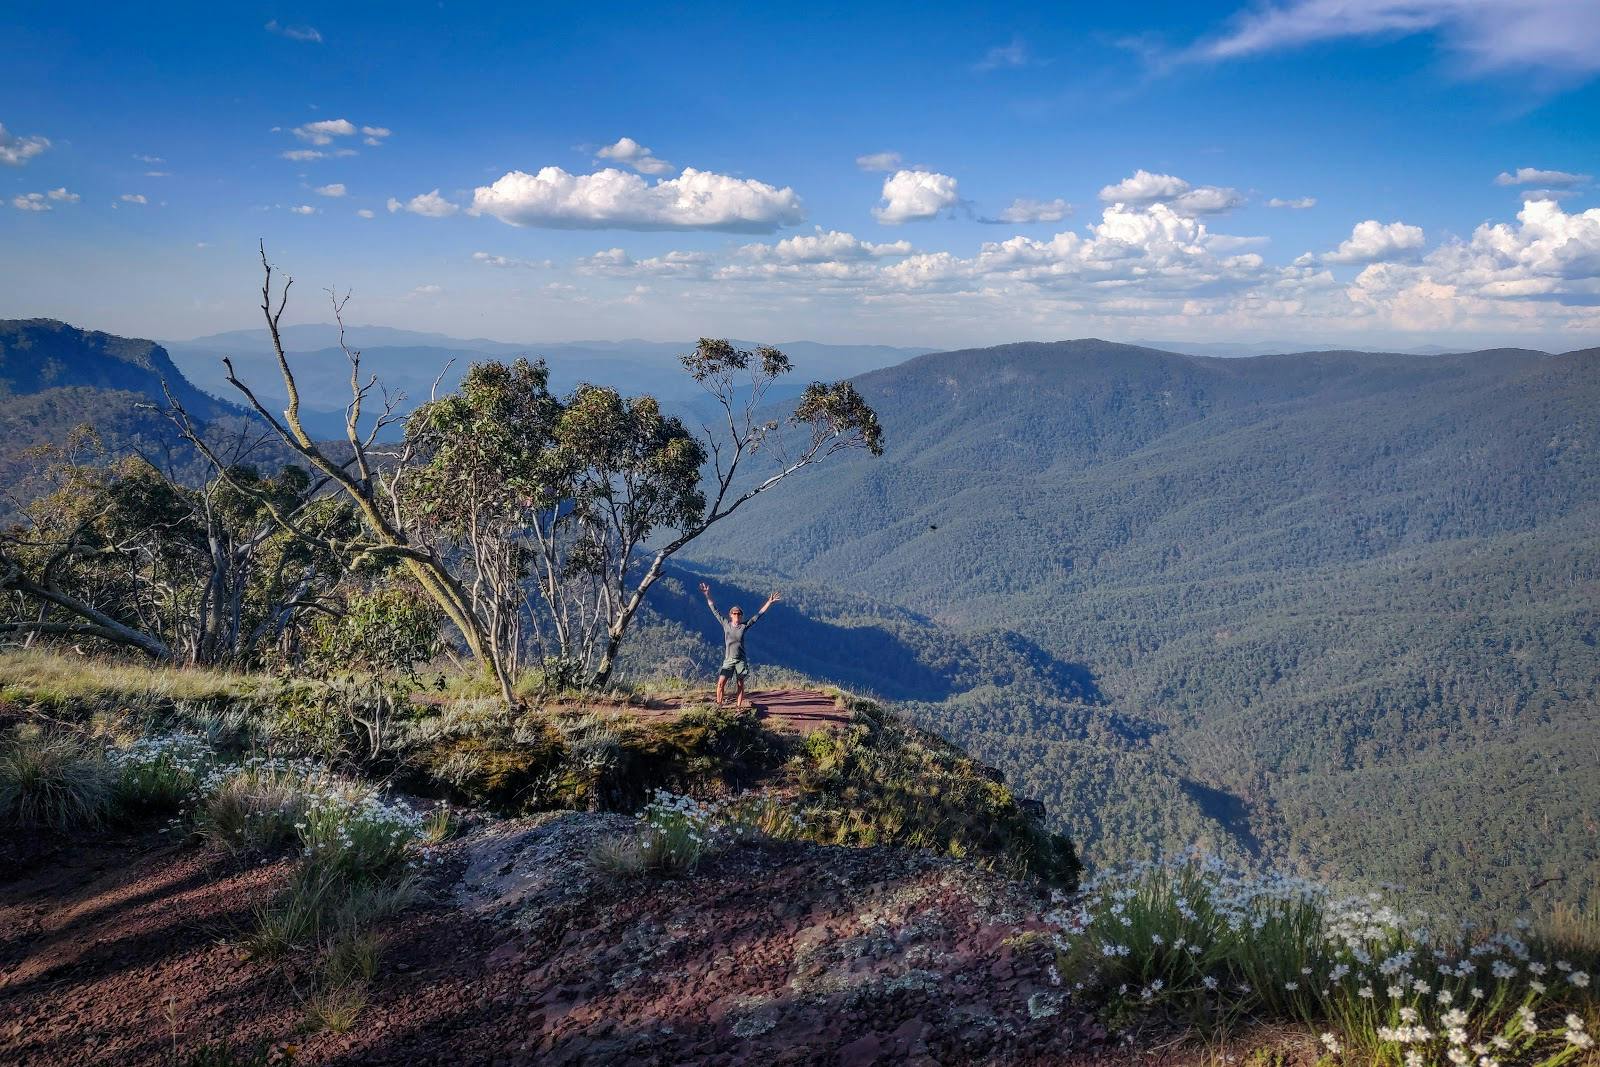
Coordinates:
55 378
41 354
1316 573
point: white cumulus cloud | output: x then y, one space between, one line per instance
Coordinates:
1143 188
631 153
303 209
1294 204
915 195
63 196
324 131
429 204
30 202
1371 241
616 200
133 198
333 189
366 213
822 247
15 151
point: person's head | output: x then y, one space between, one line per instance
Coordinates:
735 614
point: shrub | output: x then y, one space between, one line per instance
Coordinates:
295 919
252 808
54 781
675 833
1195 941
884 783
157 774
350 830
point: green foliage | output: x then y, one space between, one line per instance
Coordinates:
675 833
53 781
252 809
158 773
1192 941
885 783
1300 585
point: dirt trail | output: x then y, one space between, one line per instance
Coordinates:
795 711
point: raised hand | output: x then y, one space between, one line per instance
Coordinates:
705 588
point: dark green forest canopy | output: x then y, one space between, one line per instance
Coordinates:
1358 593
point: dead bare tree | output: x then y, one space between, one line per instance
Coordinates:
371 483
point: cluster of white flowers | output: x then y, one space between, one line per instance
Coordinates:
1357 961
182 752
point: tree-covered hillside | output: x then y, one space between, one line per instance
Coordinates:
1355 594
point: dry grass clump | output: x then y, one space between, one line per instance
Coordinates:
54 781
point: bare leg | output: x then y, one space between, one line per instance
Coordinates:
722 685
738 695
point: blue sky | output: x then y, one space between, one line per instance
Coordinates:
1369 172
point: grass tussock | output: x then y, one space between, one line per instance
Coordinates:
54 781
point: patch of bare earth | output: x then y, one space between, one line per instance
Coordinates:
114 951
523 952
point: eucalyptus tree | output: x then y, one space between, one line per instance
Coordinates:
523 515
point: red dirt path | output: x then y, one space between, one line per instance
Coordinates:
794 711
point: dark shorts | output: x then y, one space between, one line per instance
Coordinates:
735 668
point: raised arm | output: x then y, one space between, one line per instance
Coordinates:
771 600
706 589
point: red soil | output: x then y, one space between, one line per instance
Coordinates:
118 951
795 711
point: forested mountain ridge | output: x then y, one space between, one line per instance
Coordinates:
41 354
1331 579
55 378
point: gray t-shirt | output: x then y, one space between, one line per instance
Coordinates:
733 639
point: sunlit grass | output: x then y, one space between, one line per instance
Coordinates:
42 676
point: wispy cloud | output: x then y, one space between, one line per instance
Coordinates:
1546 36
1024 210
1294 204
309 34
508 263
879 161
15 151
1007 56
1535 176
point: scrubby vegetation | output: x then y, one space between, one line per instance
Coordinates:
275 766
1194 943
